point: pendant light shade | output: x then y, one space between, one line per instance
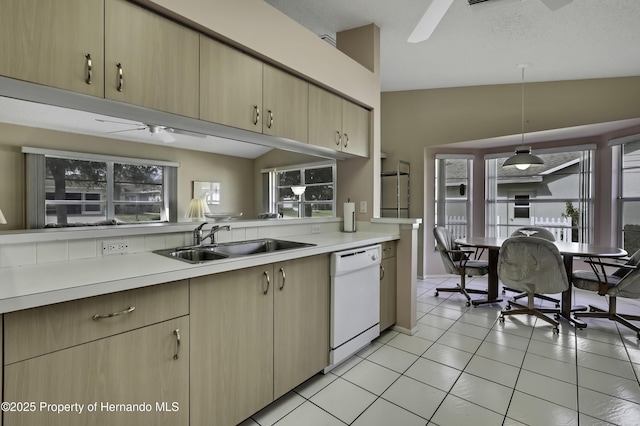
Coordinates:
523 157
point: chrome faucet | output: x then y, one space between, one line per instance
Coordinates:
198 236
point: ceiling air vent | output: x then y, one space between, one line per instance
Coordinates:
488 4
329 39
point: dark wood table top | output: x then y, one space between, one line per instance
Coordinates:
573 249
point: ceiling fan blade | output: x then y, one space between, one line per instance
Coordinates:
130 123
164 136
127 130
429 21
554 5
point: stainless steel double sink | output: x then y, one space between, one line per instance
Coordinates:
207 253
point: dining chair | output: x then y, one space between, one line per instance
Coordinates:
623 282
532 265
458 261
535 231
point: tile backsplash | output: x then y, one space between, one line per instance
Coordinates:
61 250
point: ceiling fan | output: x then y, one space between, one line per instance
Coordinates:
437 9
163 133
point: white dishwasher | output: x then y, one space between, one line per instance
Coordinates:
355 301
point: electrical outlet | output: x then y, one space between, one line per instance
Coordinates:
363 206
115 247
315 229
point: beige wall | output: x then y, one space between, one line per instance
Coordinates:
415 120
235 174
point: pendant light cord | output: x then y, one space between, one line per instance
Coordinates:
522 67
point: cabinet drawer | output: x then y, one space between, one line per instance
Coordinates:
45 329
388 249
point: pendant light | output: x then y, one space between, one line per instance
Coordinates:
523 158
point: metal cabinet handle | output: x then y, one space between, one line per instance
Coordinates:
346 140
338 138
120 77
176 333
284 278
97 317
381 272
256 115
270 119
266 274
89 69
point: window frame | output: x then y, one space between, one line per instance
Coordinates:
584 200
271 188
618 145
36 177
442 201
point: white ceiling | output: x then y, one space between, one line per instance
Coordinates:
481 45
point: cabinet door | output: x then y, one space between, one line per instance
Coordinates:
355 129
387 293
159 60
301 324
137 367
285 104
325 118
231 345
230 86
46 42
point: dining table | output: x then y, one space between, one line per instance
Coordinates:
568 250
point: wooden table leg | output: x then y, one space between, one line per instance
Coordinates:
567 306
492 280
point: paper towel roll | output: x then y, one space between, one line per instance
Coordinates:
349 217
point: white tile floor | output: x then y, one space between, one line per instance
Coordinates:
465 367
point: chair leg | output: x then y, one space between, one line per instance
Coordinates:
460 288
530 309
611 314
538 296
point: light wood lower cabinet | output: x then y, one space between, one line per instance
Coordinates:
256 334
129 347
301 321
231 345
388 296
137 367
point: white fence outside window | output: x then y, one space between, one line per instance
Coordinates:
560 227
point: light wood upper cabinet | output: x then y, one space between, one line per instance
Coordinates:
337 123
150 61
355 129
240 91
47 42
301 321
231 345
230 85
130 368
285 105
325 118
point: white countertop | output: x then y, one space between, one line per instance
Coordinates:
43 284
